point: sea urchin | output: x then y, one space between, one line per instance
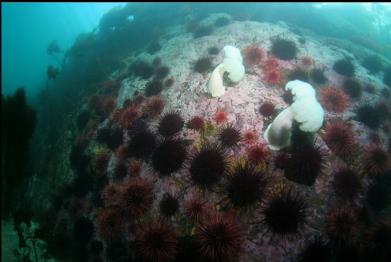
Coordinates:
284 214
169 156
156 241
245 186
339 138
208 166
334 99
136 198
229 137
219 238
170 124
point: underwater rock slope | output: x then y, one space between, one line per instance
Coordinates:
173 173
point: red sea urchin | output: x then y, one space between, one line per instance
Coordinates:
284 214
250 137
128 116
273 77
136 198
220 117
339 138
220 238
196 123
154 106
195 209
137 99
341 224
116 115
110 224
376 160
270 64
111 194
306 61
157 242
135 167
253 55
334 99
257 154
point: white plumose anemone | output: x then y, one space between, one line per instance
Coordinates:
305 109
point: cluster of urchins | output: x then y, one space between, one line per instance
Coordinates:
246 188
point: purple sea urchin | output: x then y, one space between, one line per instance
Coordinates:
353 88
347 184
112 137
142 69
245 186
161 72
83 229
169 205
377 240
208 166
203 65
229 137
169 156
284 214
344 67
153 88
170 124
304 164
315 251
369 116
142 144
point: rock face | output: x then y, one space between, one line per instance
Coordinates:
189 97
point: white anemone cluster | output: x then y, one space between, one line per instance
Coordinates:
233 65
